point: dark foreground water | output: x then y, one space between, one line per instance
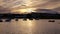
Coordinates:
30 27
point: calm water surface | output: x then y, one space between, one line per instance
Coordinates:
30 27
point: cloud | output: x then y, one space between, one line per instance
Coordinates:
4 10
54 1
35 3
50 4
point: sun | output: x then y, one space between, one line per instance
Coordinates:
26 10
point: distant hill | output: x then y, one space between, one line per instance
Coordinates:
37 11
42 11
46 11
57 9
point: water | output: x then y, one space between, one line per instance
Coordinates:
30 27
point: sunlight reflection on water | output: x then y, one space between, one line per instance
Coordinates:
29 27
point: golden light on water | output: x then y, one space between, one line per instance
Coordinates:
28 23
26 26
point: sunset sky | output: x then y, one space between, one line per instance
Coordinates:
7 5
